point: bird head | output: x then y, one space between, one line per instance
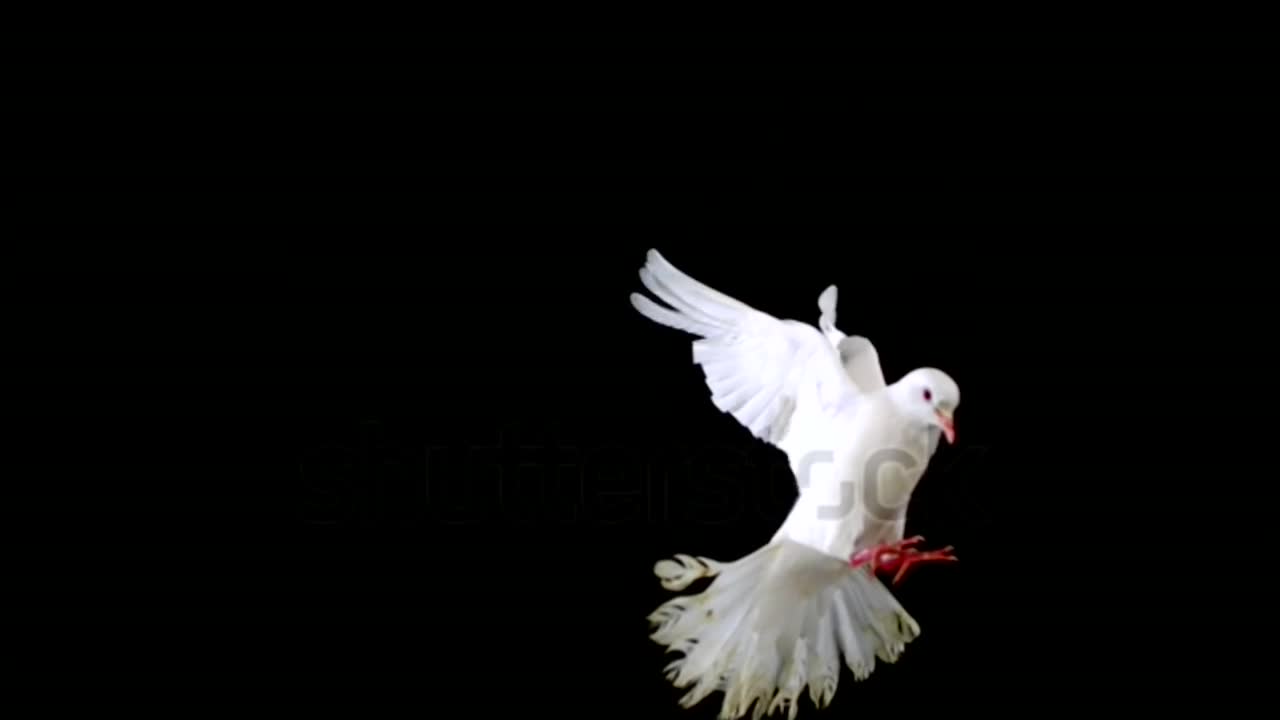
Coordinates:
930 397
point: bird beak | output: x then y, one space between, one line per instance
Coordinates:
948 425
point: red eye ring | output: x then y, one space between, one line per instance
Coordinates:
928 396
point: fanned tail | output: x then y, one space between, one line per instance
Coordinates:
781 619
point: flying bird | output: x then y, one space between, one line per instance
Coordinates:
787 616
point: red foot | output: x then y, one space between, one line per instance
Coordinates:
900 556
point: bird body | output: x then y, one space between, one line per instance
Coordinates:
849 499
787 616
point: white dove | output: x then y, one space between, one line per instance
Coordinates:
782 617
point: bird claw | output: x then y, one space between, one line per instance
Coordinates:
901 556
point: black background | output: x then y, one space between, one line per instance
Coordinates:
326 379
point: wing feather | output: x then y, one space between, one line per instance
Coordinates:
861 362
754 364
858 356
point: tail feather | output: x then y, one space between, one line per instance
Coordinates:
826 663
771 624
678 575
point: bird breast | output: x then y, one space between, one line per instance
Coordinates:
862 489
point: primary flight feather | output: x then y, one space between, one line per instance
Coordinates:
788 616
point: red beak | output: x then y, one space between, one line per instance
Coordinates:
948 426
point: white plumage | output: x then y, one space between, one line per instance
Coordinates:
788 616
857 354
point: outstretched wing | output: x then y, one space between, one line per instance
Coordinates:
759 368
858 356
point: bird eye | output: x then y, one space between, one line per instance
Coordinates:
928 396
